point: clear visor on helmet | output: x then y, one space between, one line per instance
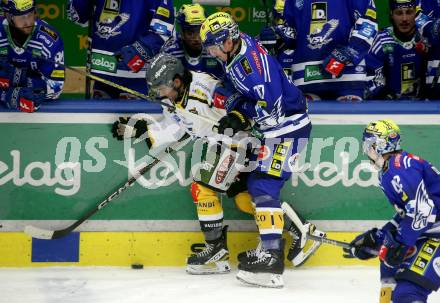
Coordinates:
368 144
159 92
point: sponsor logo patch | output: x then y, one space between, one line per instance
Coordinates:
246 66
163 12
49 32
57 73
104 63
223 169
313 72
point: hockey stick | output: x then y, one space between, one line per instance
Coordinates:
297 221
139 95
131 91
40 233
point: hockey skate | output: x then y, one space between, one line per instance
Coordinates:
264 270
211 259
301 250
249 255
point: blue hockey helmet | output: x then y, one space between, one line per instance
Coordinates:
18 7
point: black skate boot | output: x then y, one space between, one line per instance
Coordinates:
249 255
212 259
298 253
265 271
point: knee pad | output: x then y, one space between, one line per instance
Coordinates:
408 292
209 208
244 203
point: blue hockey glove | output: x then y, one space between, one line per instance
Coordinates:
268 38
226 96
371 239
337 60
133 56
392 252
233 120
23 98
11 76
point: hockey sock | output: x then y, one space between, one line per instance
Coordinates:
209 211
270 223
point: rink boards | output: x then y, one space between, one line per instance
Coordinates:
56 166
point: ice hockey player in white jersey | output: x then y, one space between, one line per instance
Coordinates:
194 92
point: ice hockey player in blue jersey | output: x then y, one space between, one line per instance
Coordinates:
125 34
409 244
431 9
398 58
276 109
188 46
31 58
331 39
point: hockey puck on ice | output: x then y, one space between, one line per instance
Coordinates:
137 266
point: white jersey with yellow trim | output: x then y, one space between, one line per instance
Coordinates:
197 100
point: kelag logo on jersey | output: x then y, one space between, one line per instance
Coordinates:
102 62
313 72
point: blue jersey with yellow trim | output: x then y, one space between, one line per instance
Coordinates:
412 186
398 69
117 23
320 26
204 63
41 58
272 99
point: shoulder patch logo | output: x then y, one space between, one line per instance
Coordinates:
246 66
50 32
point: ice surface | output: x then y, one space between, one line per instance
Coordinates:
172 284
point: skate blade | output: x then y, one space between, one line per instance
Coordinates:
267 280
220 267
303 256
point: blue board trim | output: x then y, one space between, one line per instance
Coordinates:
321 107
65 249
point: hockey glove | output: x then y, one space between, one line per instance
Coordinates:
371 239
11 76
337 60
133 56
121 130
233 120
392 252
23 98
